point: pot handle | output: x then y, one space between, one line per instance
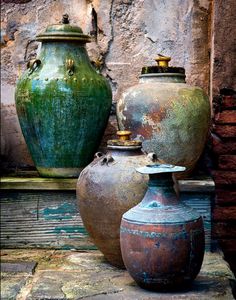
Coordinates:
70 66
33 64
106 160
98 154
151 156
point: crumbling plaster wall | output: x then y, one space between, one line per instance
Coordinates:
223 46
127 34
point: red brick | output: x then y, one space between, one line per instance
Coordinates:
225 197
220 147
224 214
225 117
225 131
224 230
228 102
224 178
228 244
227 162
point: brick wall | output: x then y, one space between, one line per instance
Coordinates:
224 149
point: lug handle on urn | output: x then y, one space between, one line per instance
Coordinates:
33 64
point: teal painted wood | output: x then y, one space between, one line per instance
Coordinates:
63 106
42 219
50 219
202 203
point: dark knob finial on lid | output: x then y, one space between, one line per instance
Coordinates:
65 19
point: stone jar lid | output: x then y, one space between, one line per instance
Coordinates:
63 32
162 67
123 142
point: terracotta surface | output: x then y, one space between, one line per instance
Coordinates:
106 189
162 240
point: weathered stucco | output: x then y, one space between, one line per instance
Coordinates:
126 35
223 46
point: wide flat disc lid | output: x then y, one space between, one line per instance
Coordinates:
63 31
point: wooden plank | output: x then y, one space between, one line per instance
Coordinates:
224 214
201 202
45 219
225 117
225 131
227 162
50 219
223 178
225 197
38 183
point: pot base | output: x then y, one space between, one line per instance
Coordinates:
59 172
175 286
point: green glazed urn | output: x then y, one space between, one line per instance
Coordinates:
63 103
171 117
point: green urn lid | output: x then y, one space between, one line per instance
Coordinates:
63 32
162 66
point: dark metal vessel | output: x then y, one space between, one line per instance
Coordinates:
162 240
107 188
63 104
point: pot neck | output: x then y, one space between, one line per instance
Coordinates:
162 77
57 52
161 191
125 152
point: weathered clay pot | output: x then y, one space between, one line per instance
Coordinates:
162 240
63 104
107 188
172 117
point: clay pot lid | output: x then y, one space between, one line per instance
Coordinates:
160 168
123 142
162 67
63 32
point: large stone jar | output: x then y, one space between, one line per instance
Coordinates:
162 240
63 104
172 117
106 189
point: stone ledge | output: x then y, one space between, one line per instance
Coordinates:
86 275
39 183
